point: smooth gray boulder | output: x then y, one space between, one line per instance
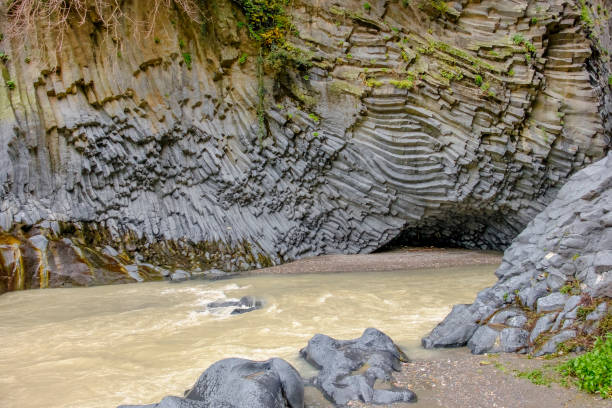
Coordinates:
239 383
350 369
542 325
554 301
513 339
180 276
551 345
454 331
505 315
559 263
484 340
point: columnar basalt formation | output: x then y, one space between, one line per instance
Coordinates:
455 122
555 280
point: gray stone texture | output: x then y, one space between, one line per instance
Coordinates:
554 301
150 147
238 383
572 231
350 369
485 339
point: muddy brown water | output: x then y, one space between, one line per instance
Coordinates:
110 345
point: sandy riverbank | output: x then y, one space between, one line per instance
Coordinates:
399 259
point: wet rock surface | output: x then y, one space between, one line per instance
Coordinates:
411 122
357 370
556 275
35 260
244 305
239 383
351 371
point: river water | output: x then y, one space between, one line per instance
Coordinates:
104 346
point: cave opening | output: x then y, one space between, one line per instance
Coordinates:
455 230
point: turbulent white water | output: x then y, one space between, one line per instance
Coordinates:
104 346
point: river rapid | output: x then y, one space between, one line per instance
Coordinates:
109 345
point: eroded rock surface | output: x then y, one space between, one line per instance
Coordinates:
555 280
358 369
239 383
453 124
35 260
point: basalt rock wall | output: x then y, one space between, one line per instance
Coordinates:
448 121
555 282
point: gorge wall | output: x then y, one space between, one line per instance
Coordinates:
452 122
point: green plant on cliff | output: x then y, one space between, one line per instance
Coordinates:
585 14
280 56
518 39
404 84
187 59
439 5
583 312
10 84
592 371
267 21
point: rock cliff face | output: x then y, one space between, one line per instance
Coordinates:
454 122
555 280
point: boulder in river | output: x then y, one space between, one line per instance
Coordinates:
239 383
244 305
358 369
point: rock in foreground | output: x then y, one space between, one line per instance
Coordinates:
555 281
358 369
239 383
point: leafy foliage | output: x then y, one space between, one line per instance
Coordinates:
585 14
518 39
593 370
282 55
404 84
188 60
267 20
535 376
